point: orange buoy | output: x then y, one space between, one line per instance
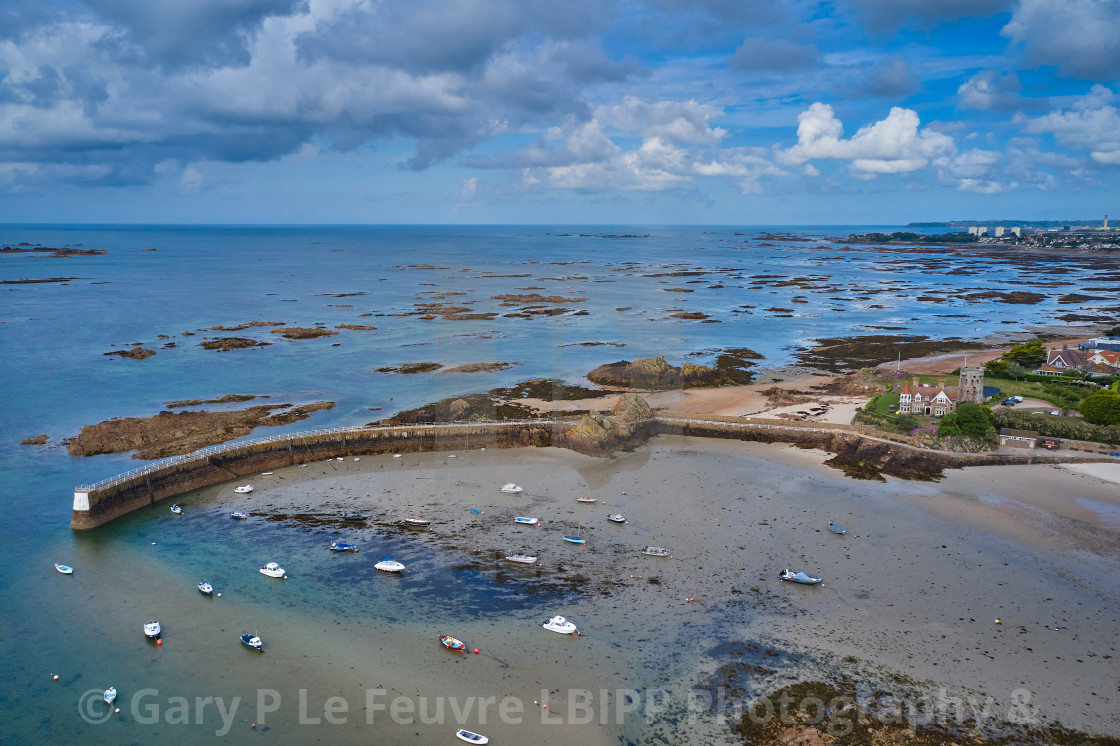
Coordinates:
159 641
476 651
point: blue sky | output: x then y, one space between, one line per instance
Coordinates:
533 111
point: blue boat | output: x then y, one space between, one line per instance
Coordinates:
836 528
341 546
799 577
575 540
252 641
527 520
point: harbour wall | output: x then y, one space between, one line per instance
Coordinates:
99 503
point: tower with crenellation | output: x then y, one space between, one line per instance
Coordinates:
971 386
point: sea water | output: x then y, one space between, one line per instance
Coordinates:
332 629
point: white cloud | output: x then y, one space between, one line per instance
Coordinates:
191 180
468 189
990 90
1093 125
1079 36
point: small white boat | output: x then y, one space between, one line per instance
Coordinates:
525 559
64 569
206 588
152 629
575 539
511 489
560 624
452 643
342 546
273 570
525 519
799 577
656 552
469 737
251 641
616 518
176 509
110 695
389 565
414 520
269 474
244 490
587 499
237 515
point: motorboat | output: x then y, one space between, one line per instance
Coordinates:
355 517
176 509
616 518
469 737
836 528
561 625
342 546
252 641
798 577
413 520
206 588
575 540
525 559
64 569
389 565
244 489
452 643
237 515
525 520
656 552
587 499
152 630
273 570
110 695
511 489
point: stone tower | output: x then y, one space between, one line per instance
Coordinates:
971 385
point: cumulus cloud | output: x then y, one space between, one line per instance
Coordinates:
990 90
889 15
1092 125
890 146
774 54
1079 36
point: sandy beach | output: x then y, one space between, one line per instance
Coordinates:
909 599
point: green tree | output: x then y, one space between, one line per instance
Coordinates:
969 420
1102 408
996 366
1016 371
906 422
1029 354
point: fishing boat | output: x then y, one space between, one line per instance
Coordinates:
243 490
525 520
252 641
273 570
511 489
469 737
64 569
413 520
355 516
152 630
656 552
452 643
798 577
836 528
587 499
342 546
616 518
389 565
575 540
525 559
206 588
560 624
110 695
176 509
237 515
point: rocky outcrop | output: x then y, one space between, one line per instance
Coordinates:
627 425
135 353
37 440
654 374
230 343
303 332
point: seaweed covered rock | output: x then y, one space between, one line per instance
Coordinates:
654 374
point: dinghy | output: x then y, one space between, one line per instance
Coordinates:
798 577
237 515
587 499
836 528
64 569
560 624
511 489
616 518
575 540
176 510
452 643
389 565
152 630
273 570
525 520
206 588
413 520
252 641
525 559
342 546
110 695
655 552
243 490
355 517
469 737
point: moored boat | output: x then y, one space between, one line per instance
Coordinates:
152 629
252 641
206 588
560 624
177 509
586 499
273 570
526 520
470 737
237 515
64 569
389 565
244 489
799 577
452 643
355 517
575 540
511 489
616 518
342 546
109 695
836 528
656 552
414 520
525 559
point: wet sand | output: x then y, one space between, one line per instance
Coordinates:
910 594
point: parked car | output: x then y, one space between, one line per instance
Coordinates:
1056 411
1008 402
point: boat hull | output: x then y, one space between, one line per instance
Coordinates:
452 644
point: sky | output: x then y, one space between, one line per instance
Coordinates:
729 112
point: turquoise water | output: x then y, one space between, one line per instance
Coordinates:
56 379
